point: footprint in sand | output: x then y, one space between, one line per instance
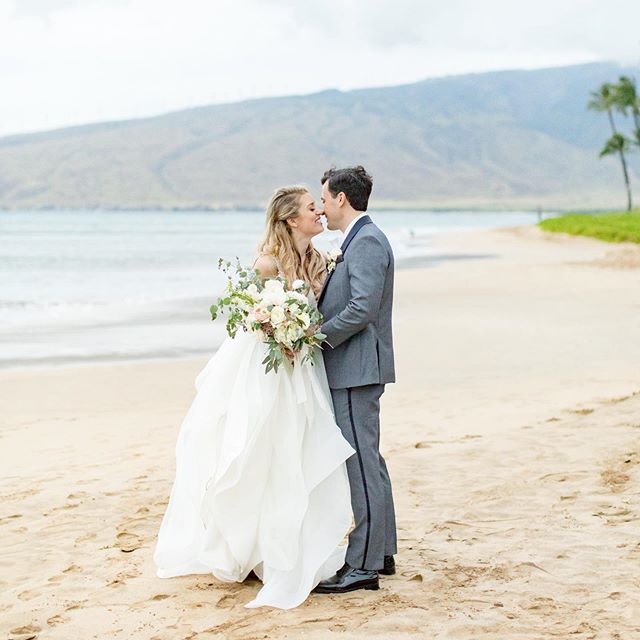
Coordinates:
19 495
581 412
620 398
77 495
414 577
12 518
122 577
204 586
72 568
128 542
85 538
541 604
57 619
64 507
28 632
133 533
228 601
29 595
562 476
117 582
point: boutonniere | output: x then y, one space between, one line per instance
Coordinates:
333 258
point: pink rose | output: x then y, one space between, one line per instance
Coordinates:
261 314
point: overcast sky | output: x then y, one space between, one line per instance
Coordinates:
65 62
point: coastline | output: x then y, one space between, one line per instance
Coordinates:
135 331
511 439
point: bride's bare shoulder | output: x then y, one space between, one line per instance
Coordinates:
266 266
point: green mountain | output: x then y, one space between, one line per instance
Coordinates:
501 139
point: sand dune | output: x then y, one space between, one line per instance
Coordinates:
512 437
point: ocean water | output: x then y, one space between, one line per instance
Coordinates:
84 286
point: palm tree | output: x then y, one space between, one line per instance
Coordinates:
617 143
619 96
626 100
604 100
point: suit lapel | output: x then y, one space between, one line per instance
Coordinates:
356 227
343 247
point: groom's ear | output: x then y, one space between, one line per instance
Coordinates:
342 199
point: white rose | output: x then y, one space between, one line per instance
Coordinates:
294 332
280 336
273 285
277 315
297 296
297 284
273 293
274 299
304 319
252 290
273 296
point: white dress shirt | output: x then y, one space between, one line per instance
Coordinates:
348 229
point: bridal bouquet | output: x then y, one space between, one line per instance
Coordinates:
279 314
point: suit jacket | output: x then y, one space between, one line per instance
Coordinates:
356 302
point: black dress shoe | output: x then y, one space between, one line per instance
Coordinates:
349 579
389 568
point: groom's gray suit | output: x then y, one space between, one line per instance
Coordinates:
358 354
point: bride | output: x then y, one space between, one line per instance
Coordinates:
261 482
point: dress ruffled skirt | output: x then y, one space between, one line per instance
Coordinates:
260 480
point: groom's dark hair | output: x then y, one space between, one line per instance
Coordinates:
354 182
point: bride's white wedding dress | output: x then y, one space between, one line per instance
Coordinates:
260 478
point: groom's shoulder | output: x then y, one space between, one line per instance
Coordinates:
374 231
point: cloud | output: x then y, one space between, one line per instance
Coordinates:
41 7
71 61
467 24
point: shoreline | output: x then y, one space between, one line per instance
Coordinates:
191 320
93 361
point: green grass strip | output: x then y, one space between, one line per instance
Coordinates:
610 227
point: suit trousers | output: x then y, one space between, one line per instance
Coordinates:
357 412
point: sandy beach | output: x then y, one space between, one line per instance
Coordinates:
512 438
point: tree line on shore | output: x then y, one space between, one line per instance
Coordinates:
620 97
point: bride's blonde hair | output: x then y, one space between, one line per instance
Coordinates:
278 241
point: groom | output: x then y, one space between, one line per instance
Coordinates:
358 353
